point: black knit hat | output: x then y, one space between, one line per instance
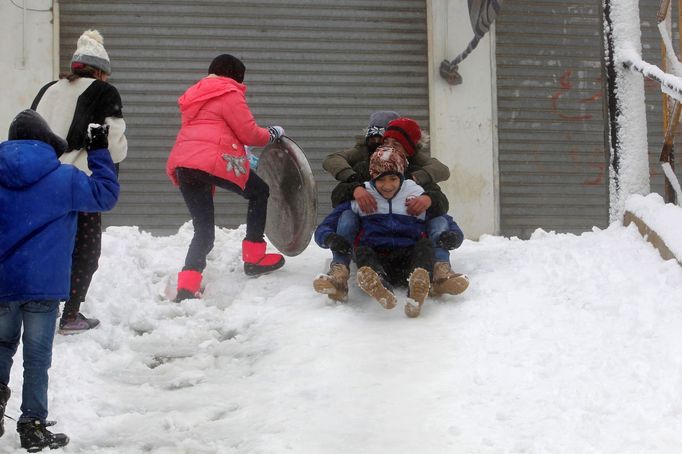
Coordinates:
29 125
228 66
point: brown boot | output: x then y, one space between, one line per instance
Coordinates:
447 281
334 284
371 283
419 289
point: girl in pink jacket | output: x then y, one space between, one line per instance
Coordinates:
209 151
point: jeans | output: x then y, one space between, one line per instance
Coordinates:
435 227
348 227
38 319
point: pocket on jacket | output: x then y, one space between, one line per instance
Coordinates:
228 145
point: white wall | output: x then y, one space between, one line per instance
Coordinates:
26 55
463 118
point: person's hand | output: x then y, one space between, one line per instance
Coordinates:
338 244
448 240
276 132
417 205
97 137
366 202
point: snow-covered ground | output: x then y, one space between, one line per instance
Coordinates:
562 344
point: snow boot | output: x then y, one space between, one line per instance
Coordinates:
376 287
34 436
76 324
419 285
4 397
447 281
189 284
256 261
334 284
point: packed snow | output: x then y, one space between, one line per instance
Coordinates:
562 344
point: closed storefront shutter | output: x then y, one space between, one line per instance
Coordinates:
316 67
552 160
551 135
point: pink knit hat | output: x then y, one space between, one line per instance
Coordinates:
386 160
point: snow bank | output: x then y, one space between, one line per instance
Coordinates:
663 218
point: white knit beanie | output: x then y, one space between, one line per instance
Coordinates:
90 51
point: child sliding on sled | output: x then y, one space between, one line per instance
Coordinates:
393 247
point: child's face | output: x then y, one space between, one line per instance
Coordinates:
390 141
387 185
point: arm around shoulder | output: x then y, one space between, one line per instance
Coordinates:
428 169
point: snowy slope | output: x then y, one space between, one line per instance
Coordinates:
562 344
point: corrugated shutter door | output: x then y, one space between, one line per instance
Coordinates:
552 160
551 141
316 67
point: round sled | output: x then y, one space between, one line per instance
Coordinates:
292 207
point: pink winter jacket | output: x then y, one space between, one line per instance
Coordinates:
216 124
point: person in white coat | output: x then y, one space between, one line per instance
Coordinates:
69 105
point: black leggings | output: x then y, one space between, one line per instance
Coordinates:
197 190
84 259
396 265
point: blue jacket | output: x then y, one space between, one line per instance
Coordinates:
39 204
389 228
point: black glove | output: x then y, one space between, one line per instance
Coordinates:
338 244
97 137
354 178
449 240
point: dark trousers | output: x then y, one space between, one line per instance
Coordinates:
197 190
396 265
84 260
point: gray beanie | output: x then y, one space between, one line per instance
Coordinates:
90 51
381 118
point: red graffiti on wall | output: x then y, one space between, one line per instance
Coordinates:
566 85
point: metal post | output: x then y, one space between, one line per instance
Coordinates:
611 105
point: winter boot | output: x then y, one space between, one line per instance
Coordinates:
35 436
4 397
447 281
418 291
376 287
256 261
334 284
189 283
76 323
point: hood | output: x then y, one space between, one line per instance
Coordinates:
206 89
23 162
29 125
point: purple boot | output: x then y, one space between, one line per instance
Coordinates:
76 325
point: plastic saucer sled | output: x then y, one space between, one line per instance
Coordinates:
292 207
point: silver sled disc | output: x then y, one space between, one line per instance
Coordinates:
292 207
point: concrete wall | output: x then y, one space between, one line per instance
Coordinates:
26 55
463 123
463 118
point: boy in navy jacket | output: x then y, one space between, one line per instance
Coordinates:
39 203
392 246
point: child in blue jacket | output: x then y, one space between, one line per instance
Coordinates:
393 246
39 203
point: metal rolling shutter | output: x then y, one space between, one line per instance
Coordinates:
551 145
552 160
316 67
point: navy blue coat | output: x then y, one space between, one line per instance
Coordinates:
39 203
